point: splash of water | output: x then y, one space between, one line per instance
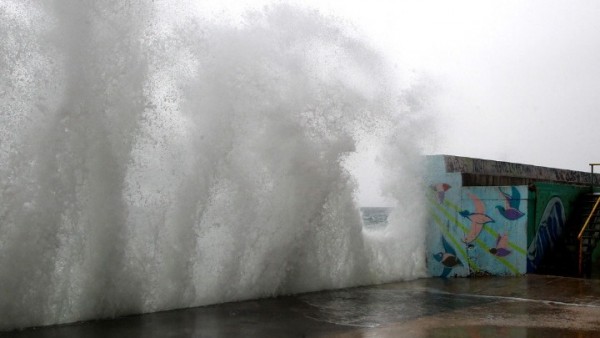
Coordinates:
148 165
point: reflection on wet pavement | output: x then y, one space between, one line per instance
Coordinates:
500 331
373 307
528 306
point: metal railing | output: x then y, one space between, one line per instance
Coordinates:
583 228
589 218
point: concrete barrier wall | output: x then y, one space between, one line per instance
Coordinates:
497 230
553 206
470 165
486 236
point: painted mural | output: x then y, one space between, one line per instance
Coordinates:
447 258
496 230
544 193
478 218
550 228
479 230
510 210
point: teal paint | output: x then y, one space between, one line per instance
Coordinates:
554 205
482 238
455 218
471 222
545 191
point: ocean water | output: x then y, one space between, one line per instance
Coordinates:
154 158
375 217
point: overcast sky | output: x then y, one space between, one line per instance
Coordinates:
518 80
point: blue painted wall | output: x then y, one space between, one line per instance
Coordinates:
472 225
491 230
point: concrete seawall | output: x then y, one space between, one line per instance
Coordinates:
497 218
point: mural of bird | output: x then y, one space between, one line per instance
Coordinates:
478 219
510 210
448 258
440 189
501 248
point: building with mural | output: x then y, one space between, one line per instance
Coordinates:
498 218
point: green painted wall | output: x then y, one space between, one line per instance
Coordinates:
542 194
457 210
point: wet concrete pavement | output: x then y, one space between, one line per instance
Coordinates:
527 306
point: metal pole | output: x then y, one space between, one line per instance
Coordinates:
593 181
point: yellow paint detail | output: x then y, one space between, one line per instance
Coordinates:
479 242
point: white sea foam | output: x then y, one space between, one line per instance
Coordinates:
149 164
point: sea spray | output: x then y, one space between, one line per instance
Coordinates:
150 163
